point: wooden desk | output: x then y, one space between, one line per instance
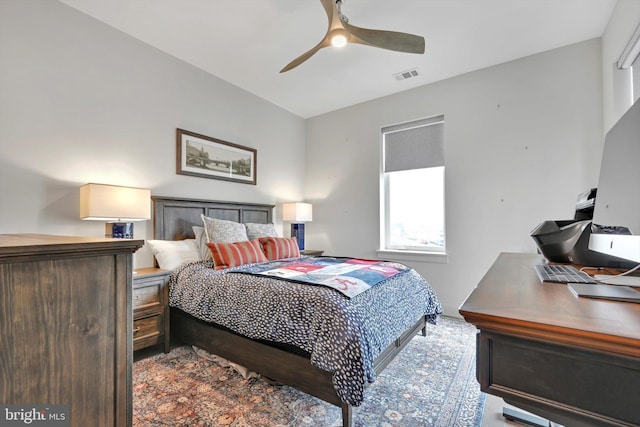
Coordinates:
575 361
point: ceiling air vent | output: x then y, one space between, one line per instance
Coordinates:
406 74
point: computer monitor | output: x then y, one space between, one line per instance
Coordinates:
618 199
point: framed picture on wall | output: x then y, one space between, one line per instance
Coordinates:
206 157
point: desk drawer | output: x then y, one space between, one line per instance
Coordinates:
598 388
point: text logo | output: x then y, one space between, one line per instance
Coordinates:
34 415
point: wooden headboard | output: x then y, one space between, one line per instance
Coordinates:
173 217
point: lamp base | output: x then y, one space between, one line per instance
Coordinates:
119 230
297 231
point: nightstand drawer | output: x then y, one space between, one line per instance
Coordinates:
148 293
147 331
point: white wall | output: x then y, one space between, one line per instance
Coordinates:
616 83
522 140
82 102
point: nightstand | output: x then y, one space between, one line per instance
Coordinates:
311 252
151 308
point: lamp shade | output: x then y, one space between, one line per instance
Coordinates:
297 212
113 203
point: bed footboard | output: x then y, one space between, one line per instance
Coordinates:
294 370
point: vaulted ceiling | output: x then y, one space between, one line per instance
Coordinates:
247 42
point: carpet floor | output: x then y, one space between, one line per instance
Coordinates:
430 383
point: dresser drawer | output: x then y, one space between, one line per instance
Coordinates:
148 331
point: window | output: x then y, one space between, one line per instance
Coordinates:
630 58
635 68
413 186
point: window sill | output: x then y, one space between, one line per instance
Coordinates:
433 257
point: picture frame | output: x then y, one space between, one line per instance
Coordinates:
207 157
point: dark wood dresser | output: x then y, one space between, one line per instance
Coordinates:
66 325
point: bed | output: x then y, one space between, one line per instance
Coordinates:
279 362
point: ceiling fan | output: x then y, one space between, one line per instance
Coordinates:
340 32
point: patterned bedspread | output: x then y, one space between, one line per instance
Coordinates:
343 335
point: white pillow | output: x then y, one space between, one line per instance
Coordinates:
171 254
223 231
201 241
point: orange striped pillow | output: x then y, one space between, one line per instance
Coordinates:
226 255
278 247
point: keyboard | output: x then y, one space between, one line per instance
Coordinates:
562 274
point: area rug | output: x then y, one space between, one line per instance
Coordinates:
430 383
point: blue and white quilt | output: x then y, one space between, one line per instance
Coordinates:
350 276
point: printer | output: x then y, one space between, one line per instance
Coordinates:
567 241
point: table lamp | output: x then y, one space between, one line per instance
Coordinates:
297 213
118 206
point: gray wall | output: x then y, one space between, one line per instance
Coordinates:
522 140
82 102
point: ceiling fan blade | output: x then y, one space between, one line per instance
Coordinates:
330 8
300 59
332 16
392 40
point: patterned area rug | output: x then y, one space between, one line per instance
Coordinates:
430 383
